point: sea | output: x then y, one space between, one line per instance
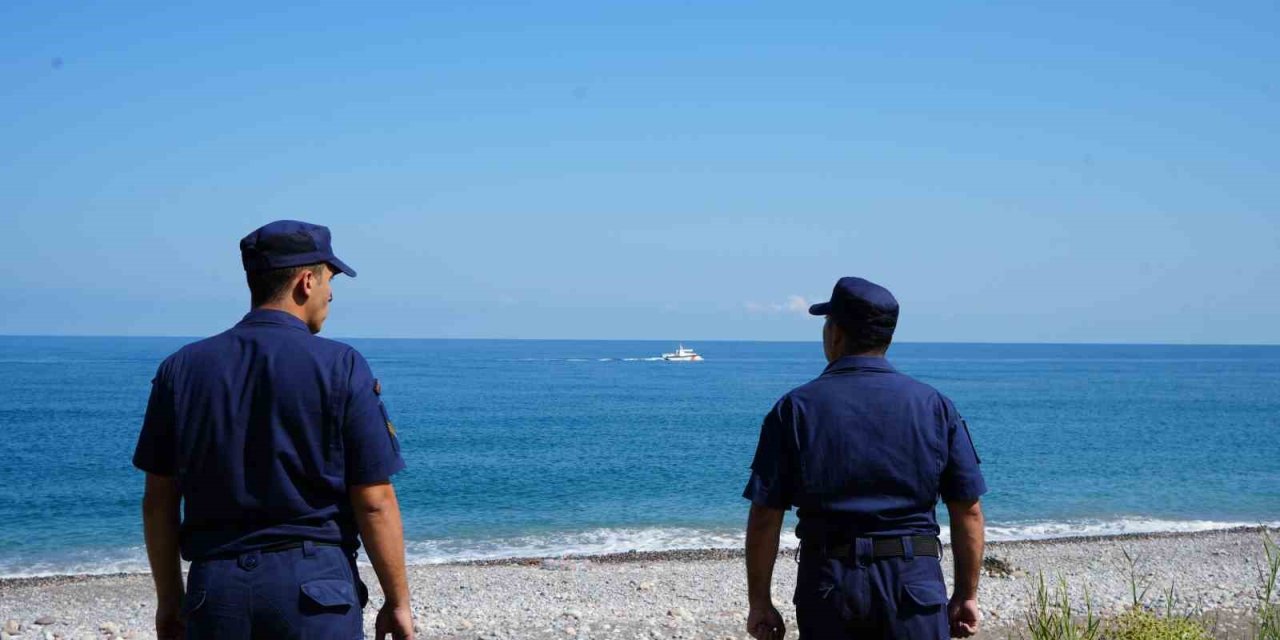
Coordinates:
524 448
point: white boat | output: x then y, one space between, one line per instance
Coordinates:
682 355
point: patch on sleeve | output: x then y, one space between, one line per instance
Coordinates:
377 387
976 457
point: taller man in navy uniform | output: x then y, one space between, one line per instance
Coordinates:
864 453
278 446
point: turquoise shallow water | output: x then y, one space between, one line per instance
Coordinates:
548 447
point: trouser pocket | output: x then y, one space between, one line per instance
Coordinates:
922 611
214 605
192 602
830 597
922 596
325 598
328 596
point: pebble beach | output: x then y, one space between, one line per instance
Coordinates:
699 593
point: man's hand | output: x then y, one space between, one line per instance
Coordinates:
169 622
764 525
377 514
968 537
397 621
765 623
964 617
161 509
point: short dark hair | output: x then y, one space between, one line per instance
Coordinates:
856 344
269 285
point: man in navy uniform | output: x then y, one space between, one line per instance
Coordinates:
864 452
277 444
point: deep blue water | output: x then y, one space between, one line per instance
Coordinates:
545 447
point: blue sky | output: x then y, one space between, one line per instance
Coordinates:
1057 172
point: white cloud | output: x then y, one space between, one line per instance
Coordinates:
793 304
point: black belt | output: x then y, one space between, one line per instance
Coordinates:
288 546
880 548
271 548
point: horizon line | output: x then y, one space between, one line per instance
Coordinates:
770 341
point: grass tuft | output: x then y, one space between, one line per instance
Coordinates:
1269 600
1050 616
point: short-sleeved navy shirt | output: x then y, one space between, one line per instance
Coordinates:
265 427
864 450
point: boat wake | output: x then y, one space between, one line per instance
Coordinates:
653 359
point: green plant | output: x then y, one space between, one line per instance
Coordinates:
1131 567
1269 607
1142 624
1049 617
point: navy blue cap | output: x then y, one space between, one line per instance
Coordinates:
861 307
289 243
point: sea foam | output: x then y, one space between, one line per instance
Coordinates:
609 541
622 540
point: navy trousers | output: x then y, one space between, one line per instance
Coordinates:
863 597
310 592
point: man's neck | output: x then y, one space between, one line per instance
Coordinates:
291 309
863 354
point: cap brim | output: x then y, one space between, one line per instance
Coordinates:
341 266
820 309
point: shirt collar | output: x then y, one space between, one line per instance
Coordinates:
274 316
859 363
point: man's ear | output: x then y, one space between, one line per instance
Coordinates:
307 283
837 337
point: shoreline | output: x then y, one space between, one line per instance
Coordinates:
692 554
701 594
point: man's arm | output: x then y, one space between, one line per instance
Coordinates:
377 513
967 539
764 526
161 501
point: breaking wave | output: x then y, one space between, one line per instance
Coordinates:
609 541
1116 527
